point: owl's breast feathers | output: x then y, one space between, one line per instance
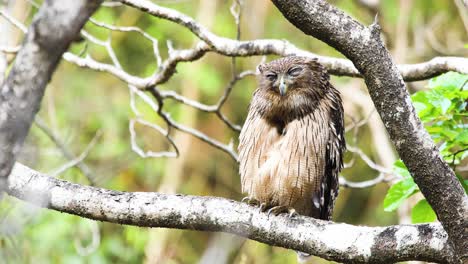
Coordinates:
296 165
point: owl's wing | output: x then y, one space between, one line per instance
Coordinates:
255 141
333 160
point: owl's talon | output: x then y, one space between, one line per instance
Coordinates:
245 200
250 201
292 212
276 210
263 207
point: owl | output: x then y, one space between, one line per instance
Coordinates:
291 145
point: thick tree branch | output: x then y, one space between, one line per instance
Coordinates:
363 46
53 29
339 242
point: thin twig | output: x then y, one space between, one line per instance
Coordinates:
364 184
78 160
81 165
13 21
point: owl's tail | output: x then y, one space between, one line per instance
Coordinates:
302 257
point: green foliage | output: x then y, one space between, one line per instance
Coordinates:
422 213
398 193
442 109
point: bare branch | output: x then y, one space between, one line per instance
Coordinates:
78 160
385 175
211 108
95 240
111 4
333 241
13 21
65 151
336 66
225 46
367 160
11 50
149 154
432 68
229 148
363 184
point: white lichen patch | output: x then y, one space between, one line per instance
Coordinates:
342 238
60 198
439 239
363 36
406 236
437 243
3 116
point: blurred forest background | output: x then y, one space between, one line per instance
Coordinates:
90 111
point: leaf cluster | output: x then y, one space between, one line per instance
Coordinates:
443 109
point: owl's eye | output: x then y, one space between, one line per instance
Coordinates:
271 77
294 71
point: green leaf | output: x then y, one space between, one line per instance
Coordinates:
462 138
400 169
443 103
398 193
448 80
422 213
420 107
438 100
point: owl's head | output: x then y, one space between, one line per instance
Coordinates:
293 75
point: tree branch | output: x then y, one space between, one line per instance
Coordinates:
364 47
53 29
333 241
77 161
231 47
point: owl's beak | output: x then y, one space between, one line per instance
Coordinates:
283 88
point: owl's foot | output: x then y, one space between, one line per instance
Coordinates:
250 201
263 207
276 210
292 212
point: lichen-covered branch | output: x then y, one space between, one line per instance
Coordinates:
363 46
333 241
53 28
335 66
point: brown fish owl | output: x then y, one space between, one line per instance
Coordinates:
292 143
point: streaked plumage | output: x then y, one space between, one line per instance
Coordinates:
291 144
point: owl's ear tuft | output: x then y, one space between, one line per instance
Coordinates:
261 67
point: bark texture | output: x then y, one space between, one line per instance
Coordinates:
338 242
54 27
364 47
